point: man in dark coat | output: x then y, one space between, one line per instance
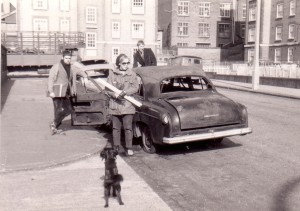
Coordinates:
143 56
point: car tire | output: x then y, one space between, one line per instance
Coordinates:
147 141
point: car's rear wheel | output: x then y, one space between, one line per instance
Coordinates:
147 141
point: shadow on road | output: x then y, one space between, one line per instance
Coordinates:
285 192
5 89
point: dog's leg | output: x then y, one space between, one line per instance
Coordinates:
118 192
106 195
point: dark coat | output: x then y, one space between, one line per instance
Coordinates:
148 60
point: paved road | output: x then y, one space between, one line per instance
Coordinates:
259 171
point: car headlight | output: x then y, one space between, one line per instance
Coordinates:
165 119
244 115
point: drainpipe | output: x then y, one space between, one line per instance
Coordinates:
255 73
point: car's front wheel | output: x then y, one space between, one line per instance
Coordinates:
147 141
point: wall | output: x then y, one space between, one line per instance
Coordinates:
206 54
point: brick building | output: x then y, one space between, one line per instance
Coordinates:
279 31
213 25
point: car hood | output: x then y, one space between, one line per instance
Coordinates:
205 110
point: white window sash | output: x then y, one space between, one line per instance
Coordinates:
279 13
138 7
115 6
278 33
225 10
204 9
138 30
91 15
183 8
277 55
290 55
91 40
37 6
64 25
40 24
292 8
115 29
115 51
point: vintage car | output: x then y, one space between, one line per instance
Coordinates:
180 104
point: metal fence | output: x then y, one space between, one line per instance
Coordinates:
241 68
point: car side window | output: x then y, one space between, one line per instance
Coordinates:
184 83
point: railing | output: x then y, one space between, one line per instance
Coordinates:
41 42
241 68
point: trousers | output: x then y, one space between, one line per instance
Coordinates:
62 108
126 121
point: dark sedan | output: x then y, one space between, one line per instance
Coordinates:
180 104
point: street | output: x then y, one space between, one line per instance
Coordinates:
259 171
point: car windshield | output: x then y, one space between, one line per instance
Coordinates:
184 83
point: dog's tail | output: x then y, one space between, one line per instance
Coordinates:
118 178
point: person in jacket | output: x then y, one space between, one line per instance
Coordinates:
61 88
143 56
121 110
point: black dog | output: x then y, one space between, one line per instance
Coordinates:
112 178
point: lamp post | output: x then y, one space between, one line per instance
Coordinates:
255 73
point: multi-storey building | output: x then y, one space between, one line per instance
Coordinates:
279 31
196 25
110 27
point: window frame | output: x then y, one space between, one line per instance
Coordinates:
137 35
116 6
244 11
292 10
252 14
87 19
35 5
185 29
229 28
136 9
279 13
115 34
40 18
224 10
204 8
205 28
250 56
277 55
290 55
278 33
181 9
87 41
113 55
292 30
251 34
61 27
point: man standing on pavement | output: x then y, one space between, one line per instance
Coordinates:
143 56
61 88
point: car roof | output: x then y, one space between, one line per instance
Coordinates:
158 73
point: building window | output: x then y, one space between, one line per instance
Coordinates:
183 29
292 28
40 4
243 30
225 10
138 7
64 25
116 32
204 9
138 30
250 55
182 44
292 8
115 51
91 40
252 14
277 57
290 55
279 13
91 15
224 30
278 32
203 30
40 24
64 5
251 35
244 12
116 6
202 45
183 8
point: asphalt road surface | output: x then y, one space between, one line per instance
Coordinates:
259 171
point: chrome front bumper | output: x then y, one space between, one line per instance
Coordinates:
206 136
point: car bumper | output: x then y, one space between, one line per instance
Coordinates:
206 136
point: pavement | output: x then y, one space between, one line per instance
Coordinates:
63 172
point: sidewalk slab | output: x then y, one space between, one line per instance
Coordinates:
77 186
262 89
